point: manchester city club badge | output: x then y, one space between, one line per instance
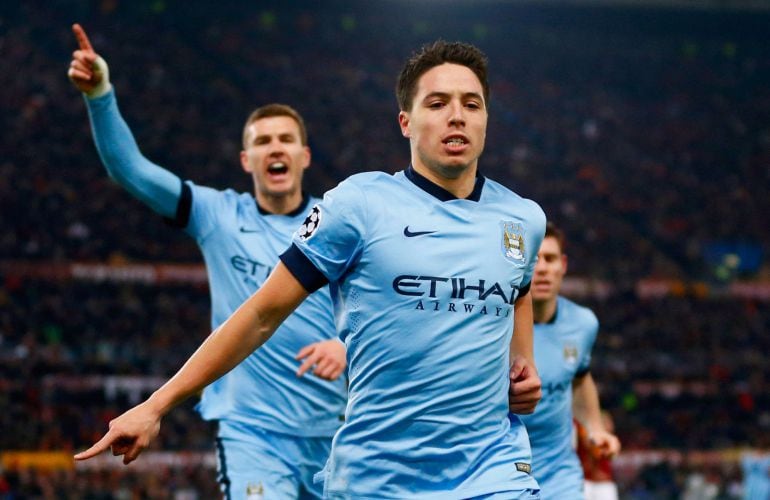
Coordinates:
513 242
570 354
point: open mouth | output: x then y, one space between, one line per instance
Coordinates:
277 168
455 144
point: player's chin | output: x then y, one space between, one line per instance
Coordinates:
457 161
279 188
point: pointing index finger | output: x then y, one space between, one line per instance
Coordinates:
97 448
80 34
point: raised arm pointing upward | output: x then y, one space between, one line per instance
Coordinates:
288 396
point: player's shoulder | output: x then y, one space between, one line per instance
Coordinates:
212 192
363 187
365 180
222 203
575 312
498 193
244 201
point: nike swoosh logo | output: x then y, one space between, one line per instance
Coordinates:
412 234
247 230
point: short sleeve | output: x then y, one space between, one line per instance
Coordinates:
333 233
206 205
592 329
535 233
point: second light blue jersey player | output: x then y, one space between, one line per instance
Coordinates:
240 246
424 286
263 409
562 353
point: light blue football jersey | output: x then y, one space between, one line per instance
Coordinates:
241 245
756 477
423 285
562 351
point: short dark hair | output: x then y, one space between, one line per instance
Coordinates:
553 231
275 109
436 54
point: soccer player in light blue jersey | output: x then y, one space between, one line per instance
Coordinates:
274 429
564 336
430 271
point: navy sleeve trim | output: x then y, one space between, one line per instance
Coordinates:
183 208
582 373
303 269
524 290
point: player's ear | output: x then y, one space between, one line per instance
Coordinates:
564 263
403 122
245 162
306 157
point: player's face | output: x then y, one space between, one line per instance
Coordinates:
549 270
447 124
275 156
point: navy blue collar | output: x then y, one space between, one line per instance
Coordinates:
552 320
301 209
439 192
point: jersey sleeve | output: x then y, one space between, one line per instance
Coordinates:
535 232
592 329
199 210
153 185
333 234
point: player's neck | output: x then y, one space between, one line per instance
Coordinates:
543 311
461 186
279 205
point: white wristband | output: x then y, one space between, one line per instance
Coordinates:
104 86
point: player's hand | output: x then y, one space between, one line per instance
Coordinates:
129 434
603 444
525 390
88 71
326 358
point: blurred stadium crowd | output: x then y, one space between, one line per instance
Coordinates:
645 134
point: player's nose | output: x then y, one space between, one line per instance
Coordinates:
276 149
456 114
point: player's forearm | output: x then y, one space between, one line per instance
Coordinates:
585 403
123 160
522 341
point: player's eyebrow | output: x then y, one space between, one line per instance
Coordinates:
446 96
